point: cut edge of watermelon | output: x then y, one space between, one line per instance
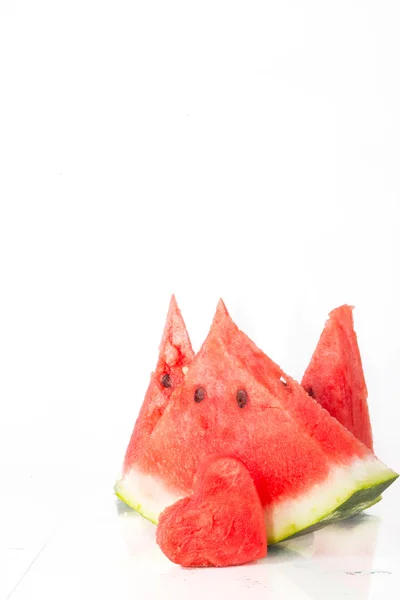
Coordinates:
332 500
146 494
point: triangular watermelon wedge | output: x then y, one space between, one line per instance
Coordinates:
335 376
333 439
234 401
175 356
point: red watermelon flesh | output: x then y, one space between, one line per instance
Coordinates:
335 376
335 442
221 524
234 401
175 355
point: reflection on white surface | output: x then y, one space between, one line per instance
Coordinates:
97 547
337 561
93 546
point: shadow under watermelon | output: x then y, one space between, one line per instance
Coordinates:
337 560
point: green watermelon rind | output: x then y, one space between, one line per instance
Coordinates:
136 506
347 505
357 501
346 510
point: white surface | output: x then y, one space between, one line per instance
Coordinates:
99 548
248 150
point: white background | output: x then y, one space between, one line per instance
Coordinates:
248 150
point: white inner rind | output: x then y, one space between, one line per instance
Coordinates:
150 496
146 494
322 499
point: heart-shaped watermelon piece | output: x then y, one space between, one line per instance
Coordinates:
221 524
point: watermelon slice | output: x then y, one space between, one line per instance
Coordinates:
234 401
222 524
175 356
335 376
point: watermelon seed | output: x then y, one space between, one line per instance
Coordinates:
310 392
166 381
283 380
199 394
241 398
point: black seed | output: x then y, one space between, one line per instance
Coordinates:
310 392
166 380
241 398
199 394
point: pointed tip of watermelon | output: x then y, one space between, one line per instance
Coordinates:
344 311
221 315
221 308
174 316
173 308
173 303
175 333
222 322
